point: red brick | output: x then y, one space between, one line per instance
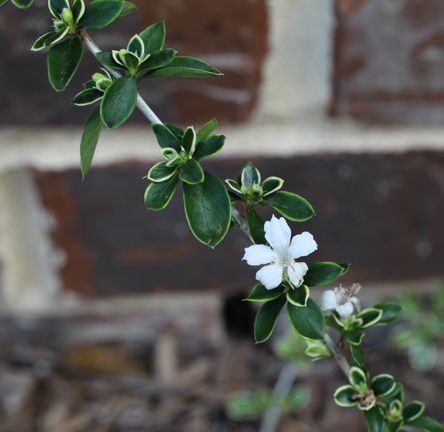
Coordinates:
349 7
381 213
388 62
198 28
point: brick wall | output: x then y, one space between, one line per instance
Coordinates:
389 62
306 91
230 35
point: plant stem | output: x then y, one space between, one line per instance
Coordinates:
240 220
281 389
141 104
337 354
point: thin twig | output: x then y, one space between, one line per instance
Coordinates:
141 104
152 117
281 389
240 220
337 354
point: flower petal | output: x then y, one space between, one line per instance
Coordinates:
302 245
328 300
296 273
278 233
259 255
270 276
341 296
345 310
356 303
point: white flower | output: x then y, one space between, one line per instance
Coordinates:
342 300
280 257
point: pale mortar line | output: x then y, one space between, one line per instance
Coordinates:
58 148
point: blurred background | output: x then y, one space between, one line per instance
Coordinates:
110 313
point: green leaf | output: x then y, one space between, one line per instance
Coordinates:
383 384
130 60
189 140
298 296
331 321
208 210
396 395
89 84
127 8
322 273
158 195
250 176
394 427
206 129
261 294
158 59
244 405
290 205
56 7
358 355
102 84
136 46
184 67
165 137
307 321
233 185
100 13
22 4
90 137
374 419
297 399
107 59
2 2
354 336
422 351
87 97
317 349
234 198
266 318
191 172
390 312
48 39
369 317
161 172
426 424
271 184
176 130
67 19
358 379
78 9
208 146
255 226
119 101
63 61
174 158
413 410
153 37
343 396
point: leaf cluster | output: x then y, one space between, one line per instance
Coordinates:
118 94
206 202
352 328
65 55
392 414
143 58
249 189
303 313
